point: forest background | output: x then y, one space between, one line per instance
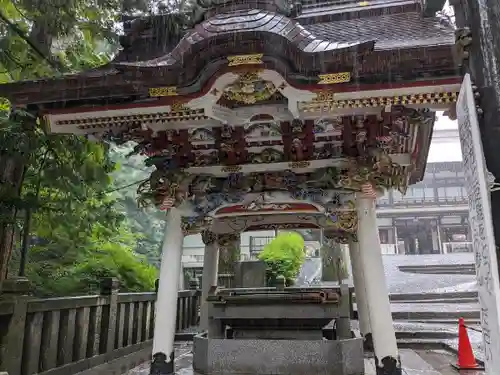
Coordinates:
73 203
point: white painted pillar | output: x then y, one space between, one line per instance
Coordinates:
347 259
166 300
360 293
435 241
209 278
440 242
181 278
396 241
384 337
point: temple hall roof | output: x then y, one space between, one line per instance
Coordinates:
314 11
404 30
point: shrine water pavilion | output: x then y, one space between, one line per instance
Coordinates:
268 114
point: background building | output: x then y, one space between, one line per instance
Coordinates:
432 217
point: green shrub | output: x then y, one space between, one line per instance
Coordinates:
111 260
284 256
50 278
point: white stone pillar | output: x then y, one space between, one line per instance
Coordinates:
209 278
360 293
383 334
167 294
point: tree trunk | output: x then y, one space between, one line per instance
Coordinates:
11 175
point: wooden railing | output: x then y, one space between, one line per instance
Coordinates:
62 336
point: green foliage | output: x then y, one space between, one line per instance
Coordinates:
56 268
109 260
149 222
78 231
284 256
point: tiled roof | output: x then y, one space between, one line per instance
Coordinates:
403 30
257 22
312 6
315 11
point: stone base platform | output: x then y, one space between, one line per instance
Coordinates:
415 362
287 357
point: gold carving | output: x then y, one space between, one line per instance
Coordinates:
163 91
249 88
299 164
330 79
231 168
245 59
325 101
347 221
324 96
179 107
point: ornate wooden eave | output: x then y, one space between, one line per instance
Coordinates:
285 45
114 87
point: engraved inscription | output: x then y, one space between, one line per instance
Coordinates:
481 226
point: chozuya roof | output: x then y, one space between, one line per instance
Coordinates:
381 41
254 106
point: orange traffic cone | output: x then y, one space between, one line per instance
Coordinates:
466 359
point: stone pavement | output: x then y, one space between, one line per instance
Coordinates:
402 282
415 362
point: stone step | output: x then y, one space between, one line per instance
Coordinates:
396 297
426 334
435 315
443 300
470 321
440 269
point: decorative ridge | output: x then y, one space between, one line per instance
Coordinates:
256 22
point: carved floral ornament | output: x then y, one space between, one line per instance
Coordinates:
208 237
342 221
331 238
206 193
249 88
263 129
196 224
223 240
